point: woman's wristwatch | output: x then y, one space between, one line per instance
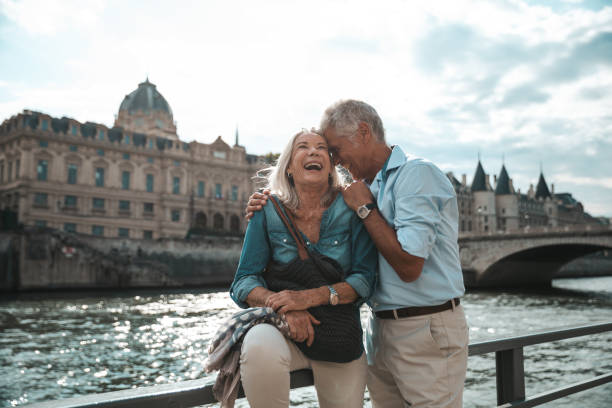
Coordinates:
333 296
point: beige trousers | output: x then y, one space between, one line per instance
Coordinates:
267 358
418 361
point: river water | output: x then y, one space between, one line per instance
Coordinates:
61 345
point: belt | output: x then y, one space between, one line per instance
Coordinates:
416 310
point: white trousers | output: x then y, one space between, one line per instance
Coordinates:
418 361
267 358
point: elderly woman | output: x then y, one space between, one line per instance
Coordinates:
307 185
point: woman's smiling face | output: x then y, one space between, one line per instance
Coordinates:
310 163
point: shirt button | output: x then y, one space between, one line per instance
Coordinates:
307 243
284 239
335 242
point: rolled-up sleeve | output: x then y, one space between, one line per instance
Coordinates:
364 261
253 259
419 196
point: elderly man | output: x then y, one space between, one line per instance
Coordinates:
417 337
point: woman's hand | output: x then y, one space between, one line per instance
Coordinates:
288 300
300 326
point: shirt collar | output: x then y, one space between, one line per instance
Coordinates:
395 160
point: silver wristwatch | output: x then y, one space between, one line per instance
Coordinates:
333 296
364 210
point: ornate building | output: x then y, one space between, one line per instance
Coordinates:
134 180
484 208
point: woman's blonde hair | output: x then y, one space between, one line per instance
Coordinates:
278 180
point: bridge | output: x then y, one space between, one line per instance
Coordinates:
529 257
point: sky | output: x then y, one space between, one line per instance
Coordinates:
527 84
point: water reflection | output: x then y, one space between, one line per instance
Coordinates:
62 345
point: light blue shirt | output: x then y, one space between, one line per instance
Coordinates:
417 200
342 236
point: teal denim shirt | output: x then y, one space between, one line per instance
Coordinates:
342 237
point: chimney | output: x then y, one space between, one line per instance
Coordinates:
463 180
531 192
511 186
488 184
495 179
552 189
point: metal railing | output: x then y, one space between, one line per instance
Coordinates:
508 363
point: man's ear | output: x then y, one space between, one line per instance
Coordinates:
364 133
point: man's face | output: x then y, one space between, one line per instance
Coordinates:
347 153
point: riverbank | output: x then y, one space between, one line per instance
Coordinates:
41 259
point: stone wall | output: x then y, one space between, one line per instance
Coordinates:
52 259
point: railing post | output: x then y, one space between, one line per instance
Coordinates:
510 375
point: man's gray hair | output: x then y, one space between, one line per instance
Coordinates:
278 181
344 117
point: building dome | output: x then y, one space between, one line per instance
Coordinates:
146 111
145 98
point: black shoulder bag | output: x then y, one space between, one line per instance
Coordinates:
339 337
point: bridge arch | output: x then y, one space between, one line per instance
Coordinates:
534 266
525 259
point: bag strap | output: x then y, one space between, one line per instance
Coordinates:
301 246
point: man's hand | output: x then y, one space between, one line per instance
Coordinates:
256 203
300 326
357 194
289 300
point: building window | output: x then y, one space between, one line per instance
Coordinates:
17 166
150 143
177 163
40 223
75 130
100 134
98 203
124 232
99 177
150 181
97 230
126 140
150 160
100 152
1 171
70 227
469 225
235 224
10 171
41 170
503 210
176 215
218 193
486 218
125 180
45 124
234 193
219 155
147 234
176 185
201 187
40 199
218 221
70 201
124 205
43 143
72 173
148 208
126 156
73 148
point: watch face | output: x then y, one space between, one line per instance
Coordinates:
362 211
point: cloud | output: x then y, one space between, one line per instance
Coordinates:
450 79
